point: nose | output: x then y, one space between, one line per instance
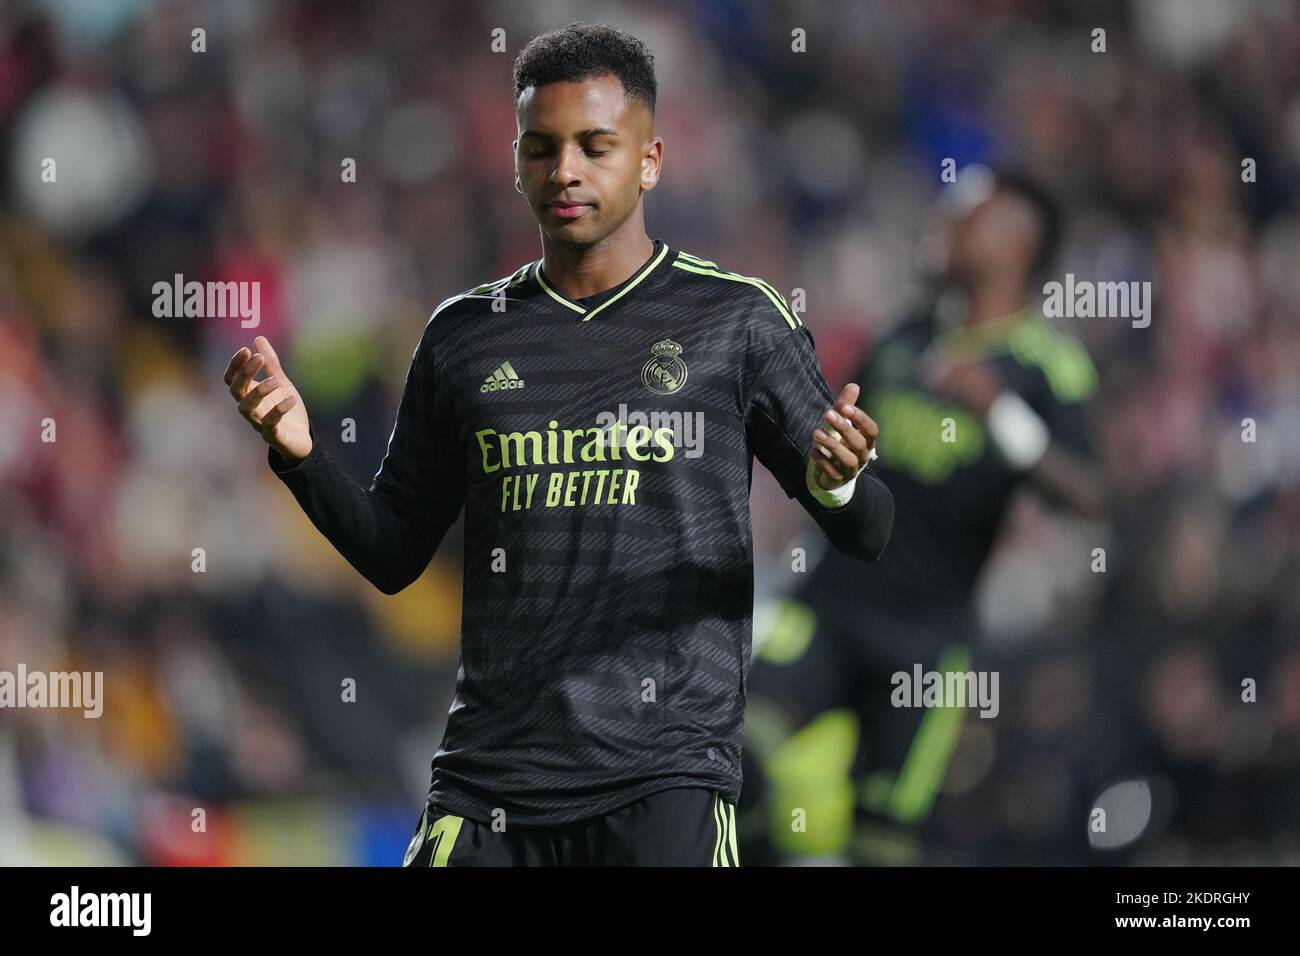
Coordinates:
567 164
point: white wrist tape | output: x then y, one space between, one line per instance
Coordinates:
834 497
1018 432
829 497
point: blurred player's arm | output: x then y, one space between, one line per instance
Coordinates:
389 531
818 450
1063 477
1049 444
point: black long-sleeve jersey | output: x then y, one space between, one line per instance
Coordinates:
602 450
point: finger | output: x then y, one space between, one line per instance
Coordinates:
863 422
819 443
833 476
239 387
839 452
848 394
239 383
236 362
272 418
847 430
259 409
256 395
263 345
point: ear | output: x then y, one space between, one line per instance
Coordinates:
652 164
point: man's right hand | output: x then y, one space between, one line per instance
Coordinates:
272 406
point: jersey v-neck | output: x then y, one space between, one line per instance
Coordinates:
588 307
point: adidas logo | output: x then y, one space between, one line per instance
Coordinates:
502 377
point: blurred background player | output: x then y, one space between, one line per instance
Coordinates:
976 396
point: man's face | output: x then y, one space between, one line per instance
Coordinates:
994 239
584 155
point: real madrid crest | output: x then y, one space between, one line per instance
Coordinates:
665 373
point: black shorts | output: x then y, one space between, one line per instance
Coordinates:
822 735
679 827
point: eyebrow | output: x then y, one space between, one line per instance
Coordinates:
581 134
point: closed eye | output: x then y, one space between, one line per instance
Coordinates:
543 153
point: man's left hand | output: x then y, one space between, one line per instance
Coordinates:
844 445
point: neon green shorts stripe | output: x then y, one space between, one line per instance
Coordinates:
927 760
717 839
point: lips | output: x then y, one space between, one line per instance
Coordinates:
568 210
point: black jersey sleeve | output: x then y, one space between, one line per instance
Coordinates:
788 398
389 531
1067 420
1059 386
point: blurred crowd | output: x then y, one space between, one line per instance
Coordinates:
148 540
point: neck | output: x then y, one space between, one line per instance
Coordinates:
590 270
996 299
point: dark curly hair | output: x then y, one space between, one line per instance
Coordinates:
581 51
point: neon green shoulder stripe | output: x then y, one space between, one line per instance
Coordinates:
696 260
1065 363
791 319
505 282
509 281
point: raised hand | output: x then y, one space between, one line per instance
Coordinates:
846 443
272 406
